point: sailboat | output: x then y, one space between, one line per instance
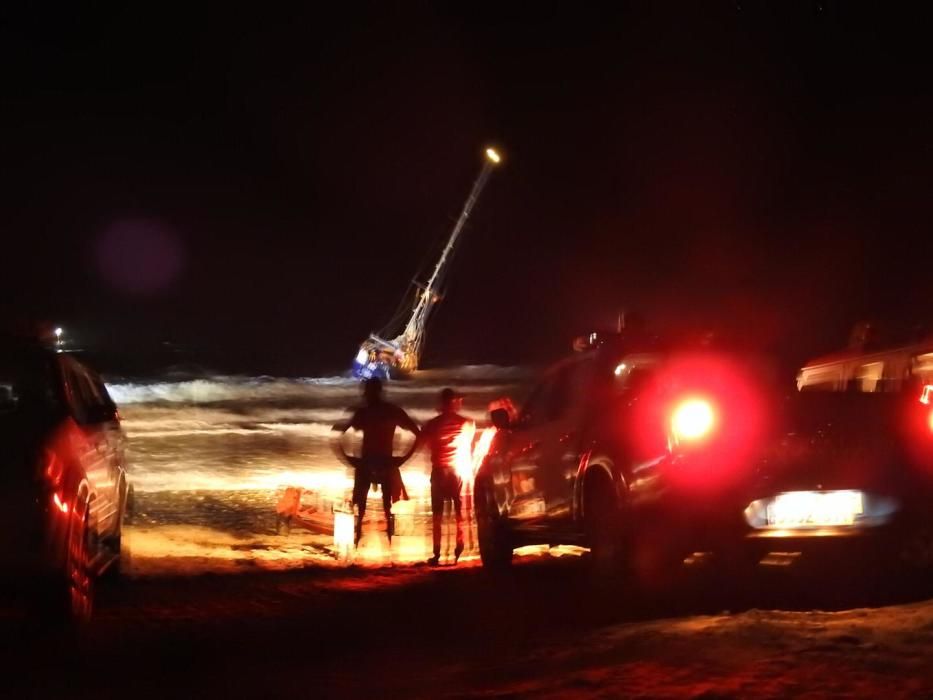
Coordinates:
396 350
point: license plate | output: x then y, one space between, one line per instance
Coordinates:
802 509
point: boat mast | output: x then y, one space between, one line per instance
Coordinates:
411 340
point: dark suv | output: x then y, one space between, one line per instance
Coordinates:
63 483
587 452
648 454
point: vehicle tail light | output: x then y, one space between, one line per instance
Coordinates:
51 469
693 419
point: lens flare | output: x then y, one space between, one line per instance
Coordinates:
463 451
693 419
469 451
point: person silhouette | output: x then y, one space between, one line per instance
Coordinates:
377 465
440 434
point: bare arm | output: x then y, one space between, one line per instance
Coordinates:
341 427
404 421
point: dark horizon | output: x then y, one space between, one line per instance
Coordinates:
261 190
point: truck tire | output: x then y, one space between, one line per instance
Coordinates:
495 549
601 520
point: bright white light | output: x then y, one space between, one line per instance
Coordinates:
620 369
343 529
815 508
58 332
362 357
493 155
692 419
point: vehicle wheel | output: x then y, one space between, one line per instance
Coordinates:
114 542
79 577
68 598
601 522
495 550
129 508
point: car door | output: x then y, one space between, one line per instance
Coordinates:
526 503
544 446
639 425
558 453
95 451
110 428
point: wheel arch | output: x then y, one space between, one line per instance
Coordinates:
594 466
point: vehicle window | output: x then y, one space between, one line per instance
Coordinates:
25 387
89 400
534 412
922 367
819 381
561 393
869 377
633 376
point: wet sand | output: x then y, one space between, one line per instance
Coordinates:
193 532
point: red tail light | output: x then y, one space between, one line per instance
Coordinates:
693 419
51 469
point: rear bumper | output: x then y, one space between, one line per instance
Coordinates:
722 525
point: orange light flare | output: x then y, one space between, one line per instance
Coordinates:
482 447
469 452
463 451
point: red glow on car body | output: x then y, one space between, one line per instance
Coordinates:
717 417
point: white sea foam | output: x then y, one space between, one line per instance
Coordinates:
230 433
220 388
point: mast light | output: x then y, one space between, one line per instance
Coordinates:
493 155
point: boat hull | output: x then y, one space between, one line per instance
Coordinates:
379 369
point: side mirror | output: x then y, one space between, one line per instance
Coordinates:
500 418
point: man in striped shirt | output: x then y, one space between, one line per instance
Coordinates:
441 434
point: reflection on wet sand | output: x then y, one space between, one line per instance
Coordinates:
211 458
226 531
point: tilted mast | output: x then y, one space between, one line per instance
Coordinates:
411 341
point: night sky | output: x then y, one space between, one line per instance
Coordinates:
256 189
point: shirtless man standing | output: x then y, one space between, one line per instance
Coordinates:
376 464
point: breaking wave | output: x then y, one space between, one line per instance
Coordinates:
217 389
234 432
